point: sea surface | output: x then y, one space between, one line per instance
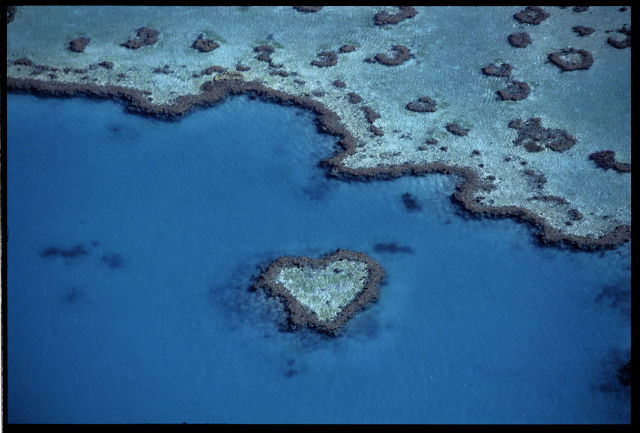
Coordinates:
132 244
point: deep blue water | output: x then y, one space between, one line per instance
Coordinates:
155 323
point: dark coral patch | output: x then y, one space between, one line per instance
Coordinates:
423 104
213 69
570 59
144 36
519 40
384 18
281 73
392 248
606 159
164 70
339 84
307 9
580 8
23 61
533 136
354 98
325 59
583 31
370 114
377 132
456 129
531 15
264 55
411 202
347 48
77 45
76 251
204 45
402 54
624 374
515 91
621 43
493 70
114 261
575 214
535 180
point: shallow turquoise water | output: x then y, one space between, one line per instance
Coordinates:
155 323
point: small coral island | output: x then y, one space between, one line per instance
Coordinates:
323 293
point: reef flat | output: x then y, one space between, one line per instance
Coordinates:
323 293
512 100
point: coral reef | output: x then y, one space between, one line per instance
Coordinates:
77 45
606 159
570 59
515 91
519 40
532 15
402 54
204 45
456 129
323 293
493 70
423 104
144 36
384 18
325 59
534 137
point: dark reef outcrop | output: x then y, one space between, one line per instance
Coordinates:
204 45
493 70
347 48
606 159
384 18
535 180
77 45
264 55
534 137
144 36
411 202
519 40
532 15
370 114
583 30
456 129
308 9
621 43
515 91
325 59
402 54
163 70
570 59
423 104
354 98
